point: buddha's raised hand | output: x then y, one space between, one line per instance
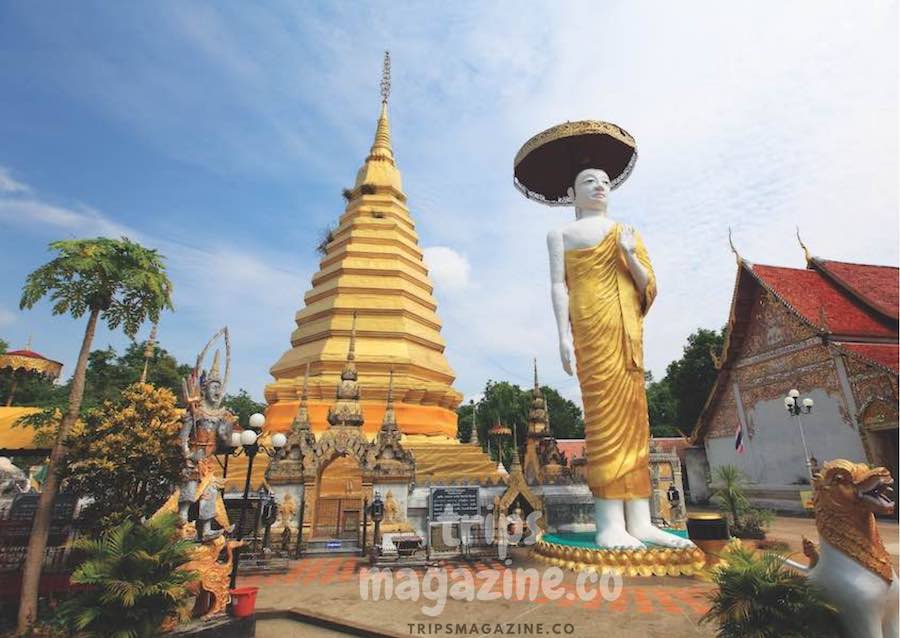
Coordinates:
628 239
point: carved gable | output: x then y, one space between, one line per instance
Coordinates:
772 326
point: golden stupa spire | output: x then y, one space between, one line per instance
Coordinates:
381 147
379 168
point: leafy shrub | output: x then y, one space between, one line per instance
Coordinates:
758 597
135 580
753 523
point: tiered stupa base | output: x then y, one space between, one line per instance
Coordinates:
576 551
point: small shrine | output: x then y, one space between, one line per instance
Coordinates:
337 473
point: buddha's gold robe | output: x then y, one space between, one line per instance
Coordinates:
606 312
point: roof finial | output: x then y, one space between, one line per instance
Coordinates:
737 255
386 77
805 249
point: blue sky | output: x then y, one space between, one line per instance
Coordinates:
223 133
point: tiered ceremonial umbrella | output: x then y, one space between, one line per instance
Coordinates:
27 362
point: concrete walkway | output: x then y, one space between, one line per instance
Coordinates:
664 607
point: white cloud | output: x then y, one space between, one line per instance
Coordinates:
448 268
6 317
215 284
83 221
10 185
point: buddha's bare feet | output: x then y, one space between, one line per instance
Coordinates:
656 536
617 537
638 523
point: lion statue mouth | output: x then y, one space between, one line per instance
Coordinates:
876 490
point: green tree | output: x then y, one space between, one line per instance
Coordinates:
125 456
243 405
508 403
691 378
136 580
758 596
119 282
566 420
464 421
662 407
728 492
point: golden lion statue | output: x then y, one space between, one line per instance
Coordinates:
851 564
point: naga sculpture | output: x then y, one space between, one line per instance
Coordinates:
851 564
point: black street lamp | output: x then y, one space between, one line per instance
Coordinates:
377 517
250 445
795 408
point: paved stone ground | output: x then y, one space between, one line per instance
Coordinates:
664 607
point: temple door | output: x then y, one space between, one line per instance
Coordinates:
340 498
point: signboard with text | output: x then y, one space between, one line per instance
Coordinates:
448 502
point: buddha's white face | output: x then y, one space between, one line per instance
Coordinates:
591 189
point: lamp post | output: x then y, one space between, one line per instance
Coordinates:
248 444
795 408
377 517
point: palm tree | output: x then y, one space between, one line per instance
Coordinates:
729 492
136 578
118 281
759 598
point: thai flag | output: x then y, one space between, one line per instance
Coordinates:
739 439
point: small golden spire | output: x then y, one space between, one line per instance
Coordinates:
806 253
351 353
301 421
390 394
305 393
389 422
148 352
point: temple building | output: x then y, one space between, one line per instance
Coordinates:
830 331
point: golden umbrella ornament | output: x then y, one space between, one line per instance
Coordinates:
25 362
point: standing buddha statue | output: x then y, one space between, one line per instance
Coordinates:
602 286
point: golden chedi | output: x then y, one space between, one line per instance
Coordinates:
373 266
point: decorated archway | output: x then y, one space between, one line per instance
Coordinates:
339 499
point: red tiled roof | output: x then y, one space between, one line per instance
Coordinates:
885 354
876 286
817 299
670 443
26 353
571 448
